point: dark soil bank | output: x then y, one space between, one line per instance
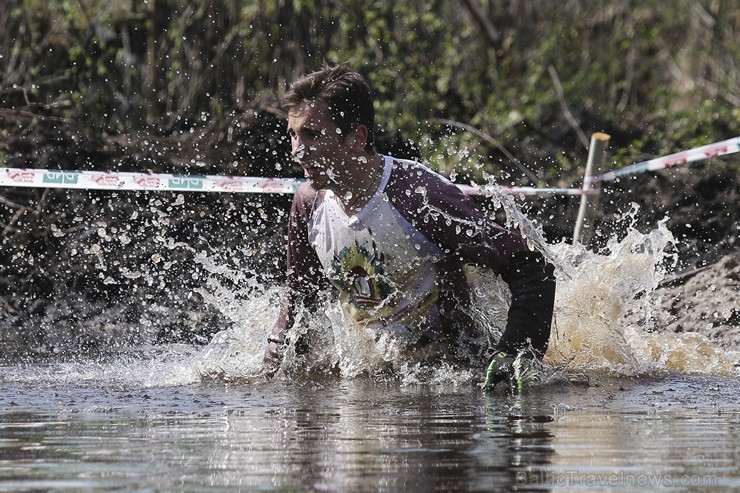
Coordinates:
90 271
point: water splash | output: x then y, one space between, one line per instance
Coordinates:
597 290
590 334
146 367
252 307
516 219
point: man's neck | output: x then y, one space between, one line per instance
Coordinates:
368 177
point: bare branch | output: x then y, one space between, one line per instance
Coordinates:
476 10
34 116
566 111
10 203
490 140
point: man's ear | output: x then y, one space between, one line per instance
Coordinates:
359 138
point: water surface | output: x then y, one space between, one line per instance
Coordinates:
673 432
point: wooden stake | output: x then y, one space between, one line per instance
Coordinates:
596 157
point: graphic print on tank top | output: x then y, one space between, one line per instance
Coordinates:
359 272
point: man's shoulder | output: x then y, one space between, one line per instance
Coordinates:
414 187
403 166
407 174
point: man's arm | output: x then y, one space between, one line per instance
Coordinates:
303 277
440 211
443 214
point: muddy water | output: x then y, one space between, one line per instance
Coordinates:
113 431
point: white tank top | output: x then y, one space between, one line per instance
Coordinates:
382 266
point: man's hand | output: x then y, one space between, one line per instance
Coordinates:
273 356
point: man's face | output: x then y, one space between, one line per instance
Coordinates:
318 145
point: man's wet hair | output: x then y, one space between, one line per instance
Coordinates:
346 93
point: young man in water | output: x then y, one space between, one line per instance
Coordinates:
394 238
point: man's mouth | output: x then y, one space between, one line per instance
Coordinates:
311 172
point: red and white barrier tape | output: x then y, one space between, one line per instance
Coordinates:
722 148
488 189
103 180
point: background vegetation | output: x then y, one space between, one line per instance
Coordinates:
538 77
475 87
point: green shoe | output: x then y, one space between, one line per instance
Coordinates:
520 371
499 369
527 372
